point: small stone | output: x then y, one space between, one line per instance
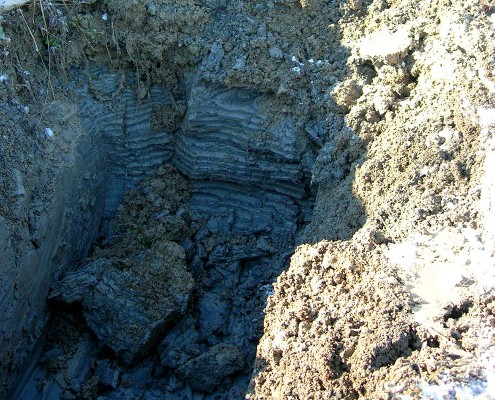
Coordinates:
354 332
180 345
152 8
456 335
108 376
19 185
79 365
174 383
430 366
205 372
468 345
338 278
303 327
356 4
347 93
275 52
239 64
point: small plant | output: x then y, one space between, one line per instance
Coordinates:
52 43
77 21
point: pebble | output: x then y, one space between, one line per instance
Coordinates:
275 52
239 64
48 132
152 8
356 4
19 185
108 376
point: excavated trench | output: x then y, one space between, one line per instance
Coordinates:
151 201
182 322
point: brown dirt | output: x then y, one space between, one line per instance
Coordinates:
151 213
345 321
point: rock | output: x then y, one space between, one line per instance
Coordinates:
107 376
189 248
180 345
215 57
196 267
72 372
129 309
78 367
214 312
77 285
275 52
225 138
387 46
347 93
174 384
208 370
19 185
52 390
316 132
152 9
240 63
356 4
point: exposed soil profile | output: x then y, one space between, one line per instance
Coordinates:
212 199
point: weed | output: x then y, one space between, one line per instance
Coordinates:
51 43
82 25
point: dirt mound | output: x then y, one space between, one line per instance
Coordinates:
340 325
390 312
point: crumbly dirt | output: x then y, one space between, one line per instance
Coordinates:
154 212
346 321
400 95
339 324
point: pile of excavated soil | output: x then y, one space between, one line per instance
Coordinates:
403 309
378 111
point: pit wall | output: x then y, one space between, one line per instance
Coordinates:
49 234
105 144
235 155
